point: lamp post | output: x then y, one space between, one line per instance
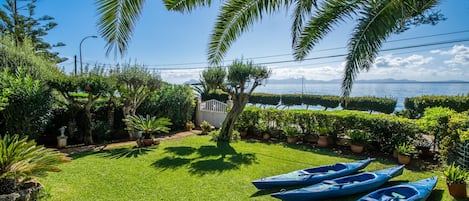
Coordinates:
81 42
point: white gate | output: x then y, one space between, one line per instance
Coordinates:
214 112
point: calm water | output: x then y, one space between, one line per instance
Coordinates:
398 91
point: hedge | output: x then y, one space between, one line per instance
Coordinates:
388 130
416 105
291 99
222 97
325 101
369 103
264 99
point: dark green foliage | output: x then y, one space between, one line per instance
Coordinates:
264 99
291 99
28 28
22 159
387 130
325 101
175 102
29 104
219 96
368 103
416 105
23 56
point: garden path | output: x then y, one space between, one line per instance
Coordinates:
82 148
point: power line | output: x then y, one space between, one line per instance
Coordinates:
324 57
320 50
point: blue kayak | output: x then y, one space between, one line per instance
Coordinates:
413 191
311 175
343 186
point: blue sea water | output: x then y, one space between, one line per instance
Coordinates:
397 91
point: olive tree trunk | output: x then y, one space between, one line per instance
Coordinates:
88 138
232 116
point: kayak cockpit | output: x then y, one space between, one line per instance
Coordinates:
326 169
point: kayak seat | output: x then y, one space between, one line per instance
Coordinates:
327 169
400 192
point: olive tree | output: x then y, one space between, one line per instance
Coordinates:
239 80
135 83
92 87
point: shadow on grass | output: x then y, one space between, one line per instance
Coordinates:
124 152
210 159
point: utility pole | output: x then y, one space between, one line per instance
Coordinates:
75 65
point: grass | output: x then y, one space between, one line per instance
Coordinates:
193 168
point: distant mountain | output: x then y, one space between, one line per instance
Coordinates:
191 82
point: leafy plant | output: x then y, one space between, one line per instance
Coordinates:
207 127
291 131
149 125
406 149
455 174
189 124
358 137
21 159
324 131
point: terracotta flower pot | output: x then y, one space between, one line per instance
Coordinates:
356 148
394 153
147 142
457 190
292 140
323 141
403 159
309 138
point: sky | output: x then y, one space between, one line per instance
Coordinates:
175 44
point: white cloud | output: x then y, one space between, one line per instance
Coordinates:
412 61
318 73
180 76
460 55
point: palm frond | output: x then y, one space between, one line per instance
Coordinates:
116 22
377 21
331 13
235 17
185 5
303 9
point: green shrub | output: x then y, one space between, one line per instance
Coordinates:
416 105
175 102
358 137
264 99
219 96
29 106
291 99
324 101
456 174
388 130
367 103
406 148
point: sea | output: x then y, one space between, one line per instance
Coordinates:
397 91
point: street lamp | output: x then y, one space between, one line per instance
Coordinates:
81 62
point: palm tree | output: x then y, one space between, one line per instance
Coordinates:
376 20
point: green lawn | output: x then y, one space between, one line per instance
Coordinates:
193 168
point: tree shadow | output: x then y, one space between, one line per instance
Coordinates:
437 194
181 151
123 152
210 159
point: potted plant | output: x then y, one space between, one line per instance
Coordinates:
147 126
323 140
424 149
206 127
189 126
456 178
358 140
266 130
405 152
292 134
242 129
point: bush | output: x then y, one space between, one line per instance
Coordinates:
219 96
416 105
291 99
324 101
264 99
383 105
175 102
388 130
29 106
